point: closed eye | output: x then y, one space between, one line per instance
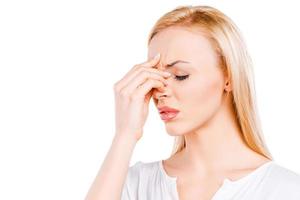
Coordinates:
180 78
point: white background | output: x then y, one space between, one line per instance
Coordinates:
59 60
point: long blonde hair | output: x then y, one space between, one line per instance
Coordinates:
235 60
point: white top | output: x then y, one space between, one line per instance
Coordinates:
270 181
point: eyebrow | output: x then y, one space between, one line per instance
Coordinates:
175 62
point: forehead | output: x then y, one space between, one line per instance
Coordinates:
178 43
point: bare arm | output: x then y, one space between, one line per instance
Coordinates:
132 95
110 179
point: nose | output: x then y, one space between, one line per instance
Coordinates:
161 93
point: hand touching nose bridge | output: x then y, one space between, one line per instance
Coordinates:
133 93
132 96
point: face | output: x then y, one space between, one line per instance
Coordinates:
196 88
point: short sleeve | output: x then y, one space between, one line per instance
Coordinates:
130 187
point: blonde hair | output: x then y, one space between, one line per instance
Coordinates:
235 60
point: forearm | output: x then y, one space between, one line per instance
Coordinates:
110 179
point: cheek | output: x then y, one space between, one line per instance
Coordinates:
201 99
201 92
208 92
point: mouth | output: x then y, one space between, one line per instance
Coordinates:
168 115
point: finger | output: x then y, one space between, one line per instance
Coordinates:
145 88
140 79
152 62
140 70
130 77
148 96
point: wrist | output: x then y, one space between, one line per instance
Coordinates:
125 138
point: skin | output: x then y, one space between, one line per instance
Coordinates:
132 95
214 147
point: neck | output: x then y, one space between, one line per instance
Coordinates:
217 144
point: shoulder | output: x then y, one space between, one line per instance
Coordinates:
285 175
140 177
144 168
283 182
143 172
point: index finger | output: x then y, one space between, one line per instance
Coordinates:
152 62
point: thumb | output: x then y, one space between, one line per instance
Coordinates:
148 96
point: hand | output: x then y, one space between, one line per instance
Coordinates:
132 95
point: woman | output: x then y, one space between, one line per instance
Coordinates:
208 104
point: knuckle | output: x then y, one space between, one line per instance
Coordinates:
161 80
139 65
140 69
146 73
153 70
136 66
116 87
144 68
159 83
133 96
123 94
152 81
159 73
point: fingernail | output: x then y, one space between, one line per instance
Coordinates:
167 73
157 56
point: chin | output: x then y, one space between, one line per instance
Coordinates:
177 129
182 128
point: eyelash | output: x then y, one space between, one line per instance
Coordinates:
181 78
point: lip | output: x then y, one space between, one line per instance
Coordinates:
167 116
167 109
167 113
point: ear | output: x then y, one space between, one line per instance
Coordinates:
228 85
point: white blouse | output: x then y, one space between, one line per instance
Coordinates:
270 181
